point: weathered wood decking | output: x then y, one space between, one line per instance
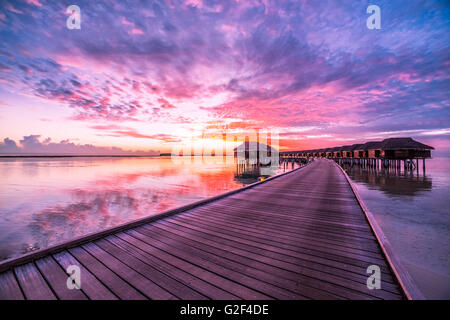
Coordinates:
299 236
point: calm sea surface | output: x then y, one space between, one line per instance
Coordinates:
44 201
414 213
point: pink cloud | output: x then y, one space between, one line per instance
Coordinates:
194 3
134 134
166 104
34 2
125 22
12 9
136 31
4 104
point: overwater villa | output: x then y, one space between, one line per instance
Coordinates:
392 148
388 153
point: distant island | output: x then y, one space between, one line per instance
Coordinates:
74 156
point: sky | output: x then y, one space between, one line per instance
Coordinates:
141 77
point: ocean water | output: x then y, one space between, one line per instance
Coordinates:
45 201
413 210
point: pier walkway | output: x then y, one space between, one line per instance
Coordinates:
302 235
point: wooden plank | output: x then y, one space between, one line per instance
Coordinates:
272 240
320 237
288 199
176 288
206 274
304 262
115 283
32 283
269 283
231 272
304 276
261 289
287 220
265 208
205 288
282 233
137 280
91 286
284 219
267 261
9 288
293 217
57 278
271 274
327 211
285 232
287 252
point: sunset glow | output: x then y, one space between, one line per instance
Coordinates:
144 79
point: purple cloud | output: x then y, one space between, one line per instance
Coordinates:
283 64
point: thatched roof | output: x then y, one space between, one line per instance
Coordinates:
356 146
403 143
346 148
386 144
371 145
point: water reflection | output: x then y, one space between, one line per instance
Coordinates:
44 201
247 173
412 210
393 183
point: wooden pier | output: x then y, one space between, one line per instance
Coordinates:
302 235
387 154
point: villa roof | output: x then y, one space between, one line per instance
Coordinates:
403 143
346 148
356 146
371 145
386 144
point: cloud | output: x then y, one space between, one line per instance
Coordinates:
275 64
11 8
114 130
135 134
34 2
32 144
132 28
